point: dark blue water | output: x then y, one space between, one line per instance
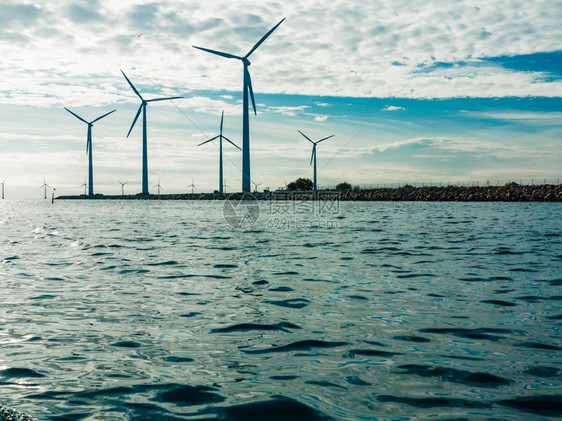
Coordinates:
117 310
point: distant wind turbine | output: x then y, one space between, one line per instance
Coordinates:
225 185
159 187
4 181
122 187
45 185
85 186
220 137
246 89
192 185
144 136
89 147
313 156
256 186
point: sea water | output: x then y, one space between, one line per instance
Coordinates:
140 310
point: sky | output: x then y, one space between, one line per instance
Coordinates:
417 91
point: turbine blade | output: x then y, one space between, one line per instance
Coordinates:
207 141
322 140
76 115
222 118
307 138
231 142
135 120
263 38
132 86
164 99
99 118
250 88
88 144
218 53
313 154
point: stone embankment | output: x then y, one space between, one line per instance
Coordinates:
512 193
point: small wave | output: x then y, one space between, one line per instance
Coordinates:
190 395
546 405
539 345
371 353
126 344
245 327
434 402
194 276
174 359
17 372
501 303
543 371
465 377
291 303
412 338
278 409
306 345
489 334
167 263
281 289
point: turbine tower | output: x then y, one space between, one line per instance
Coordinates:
122 187
220 137
3 188
246 89
89 147
142 108
45 185
313 156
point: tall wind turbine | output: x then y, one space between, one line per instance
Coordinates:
192 185
159 187
45 185
89 147
122 187
3 188
313 156
220 137
246 89
142 108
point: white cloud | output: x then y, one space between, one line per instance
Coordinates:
321 118
351 48
393 108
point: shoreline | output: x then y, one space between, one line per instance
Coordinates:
512 193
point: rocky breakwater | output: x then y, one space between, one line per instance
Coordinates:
544 193
511 193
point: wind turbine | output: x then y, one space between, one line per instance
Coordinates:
142 108
246 88
313 156
84 185
225 185
159 187
220 137
122 187
45 185
3 188
256 186
89 147
192 185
